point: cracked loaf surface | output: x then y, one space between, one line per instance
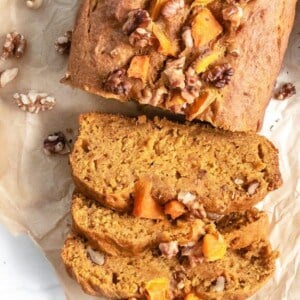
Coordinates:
216 61
221 170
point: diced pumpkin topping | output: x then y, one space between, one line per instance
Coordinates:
200 105
201 3
158 289
175 209
144 204
139 67
204 62
176 100
156 8
214 247
167 47
205 28
191 296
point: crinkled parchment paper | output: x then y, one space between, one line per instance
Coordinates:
35 189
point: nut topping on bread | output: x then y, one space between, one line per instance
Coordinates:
141 38
234 14
138 18
118 83
218 76
219 285
172 8
14 46
170 249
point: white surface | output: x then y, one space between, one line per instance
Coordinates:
24 272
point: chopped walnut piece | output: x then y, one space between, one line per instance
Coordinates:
141 38
145 96
117 83
218 76
193 251
174 72
34 102
138 18
238 181
97 257
63 43
252 187
234 14
193 86
187 37
34 4
56 143
172 8
287 90
159 96
170 249
15 45
7 76
219 285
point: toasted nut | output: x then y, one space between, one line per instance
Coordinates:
252 187
172 8
97 257
8 76
214 247
34 102
34 4
170 249
219 286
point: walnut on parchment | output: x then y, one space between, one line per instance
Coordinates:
34 102
14 46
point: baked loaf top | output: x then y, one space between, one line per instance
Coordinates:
212 60
125 235
224 171
238 275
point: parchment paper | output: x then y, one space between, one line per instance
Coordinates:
35 189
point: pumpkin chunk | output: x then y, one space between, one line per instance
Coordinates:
201 3
214 247
200 105
191 296
175 209
167 47
139 67
144 204
203 63
205 28
158 289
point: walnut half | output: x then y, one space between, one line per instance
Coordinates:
14 46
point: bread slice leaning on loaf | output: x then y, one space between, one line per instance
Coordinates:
121 234
224 171
238 275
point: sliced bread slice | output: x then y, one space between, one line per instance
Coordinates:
238 275
124 235
225 171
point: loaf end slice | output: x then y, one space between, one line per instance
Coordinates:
225 171
242 272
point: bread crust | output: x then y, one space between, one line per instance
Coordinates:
262 41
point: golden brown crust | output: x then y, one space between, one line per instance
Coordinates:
262 41
222 156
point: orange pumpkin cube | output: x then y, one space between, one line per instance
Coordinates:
158 289
175 209
205 28
144 204
139 67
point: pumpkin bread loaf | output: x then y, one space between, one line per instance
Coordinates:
216 61
223 171
123 234
239 274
